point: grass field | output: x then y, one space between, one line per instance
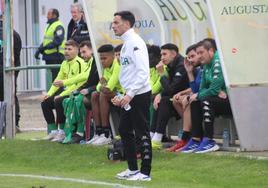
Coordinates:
88 163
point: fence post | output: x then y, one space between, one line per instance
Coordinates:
9 86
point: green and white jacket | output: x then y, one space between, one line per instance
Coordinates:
212 81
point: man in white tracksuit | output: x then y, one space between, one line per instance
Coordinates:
134 78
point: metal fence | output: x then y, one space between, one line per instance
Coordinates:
31 80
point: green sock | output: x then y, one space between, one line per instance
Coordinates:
62 125
51 127
67 129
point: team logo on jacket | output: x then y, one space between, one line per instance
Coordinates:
178 74
59 32
136 48
124 61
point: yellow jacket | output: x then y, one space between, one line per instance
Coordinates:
68 69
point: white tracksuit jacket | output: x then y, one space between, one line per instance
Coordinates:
134 60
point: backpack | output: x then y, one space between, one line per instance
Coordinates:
116 151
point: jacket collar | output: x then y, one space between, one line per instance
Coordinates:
52 20
176 61
73 60
127 35
215 56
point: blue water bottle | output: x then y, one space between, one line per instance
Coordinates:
225 138
180 133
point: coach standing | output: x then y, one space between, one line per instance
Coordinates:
134 78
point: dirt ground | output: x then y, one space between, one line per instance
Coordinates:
31 112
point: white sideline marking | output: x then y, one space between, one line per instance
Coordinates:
33 129
68 179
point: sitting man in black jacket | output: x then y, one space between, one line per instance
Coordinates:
175 81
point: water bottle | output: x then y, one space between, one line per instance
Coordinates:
127 107
180 133
225 138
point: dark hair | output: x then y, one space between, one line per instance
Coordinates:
55 12
71 42
170 46
190 48
154 54
126 15
212 41
118 48
206 44
85 43
106 48
154 49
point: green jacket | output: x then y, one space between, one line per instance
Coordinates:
68 69
82 77
111 75
212 81
155 81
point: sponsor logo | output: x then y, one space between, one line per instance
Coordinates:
144 24
244 10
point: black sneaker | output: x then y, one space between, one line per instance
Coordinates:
77 138
166 138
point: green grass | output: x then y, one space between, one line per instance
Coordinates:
22 156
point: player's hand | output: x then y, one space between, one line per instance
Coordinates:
160 68
58 83
125 100
116 101
222 95
84 91
45 97
193 97
157 100
57 97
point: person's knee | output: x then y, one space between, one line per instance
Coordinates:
44 104
58 102
104 98
195 104
86 101
94 96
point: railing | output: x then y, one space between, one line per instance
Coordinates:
10 124
31 80
54 66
